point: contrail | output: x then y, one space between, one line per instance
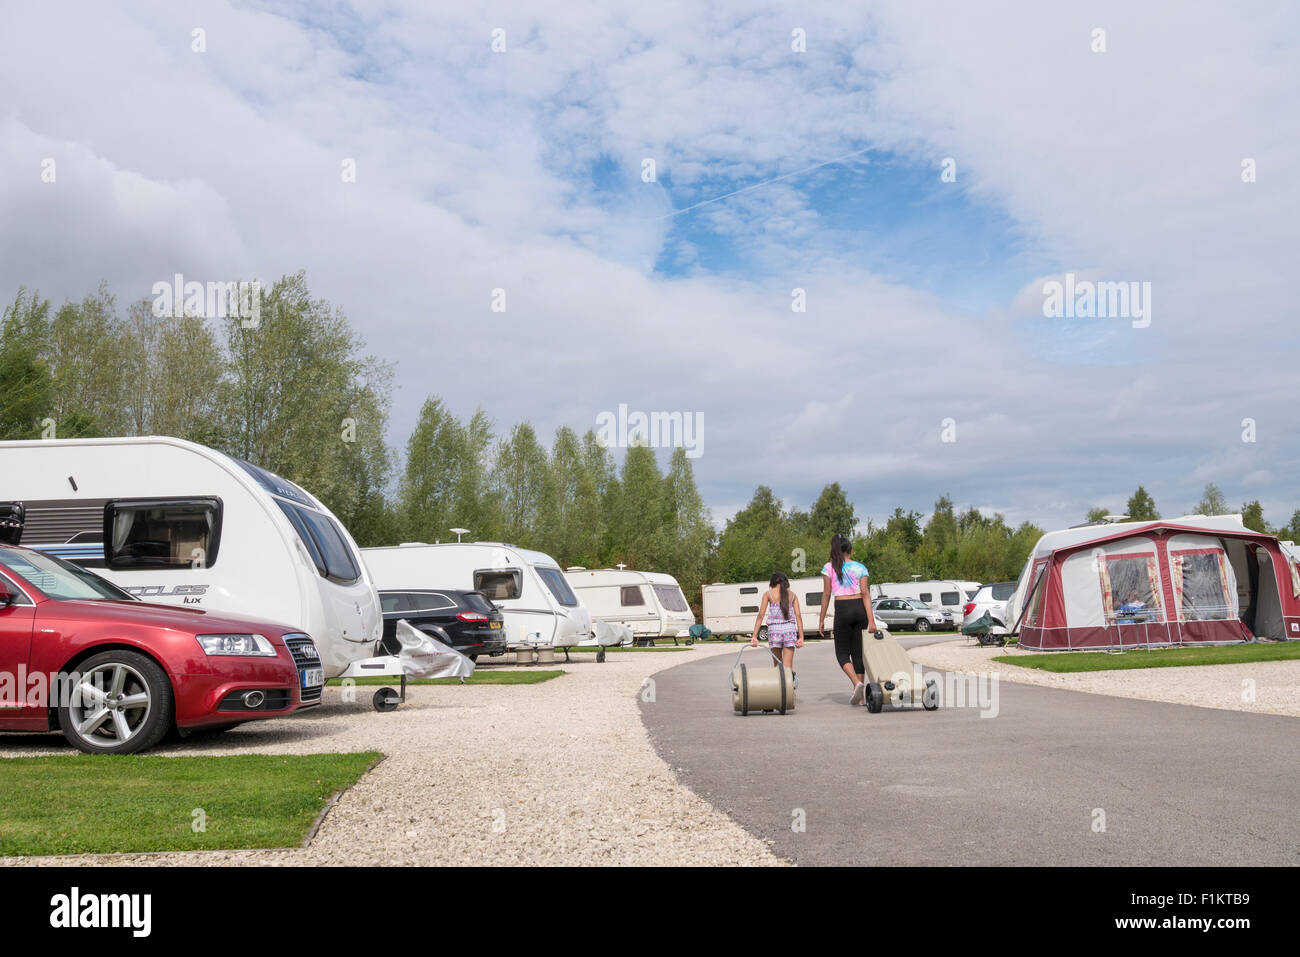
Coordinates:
766 182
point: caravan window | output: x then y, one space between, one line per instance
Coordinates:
324 541
630 595
812 598
499 584
1130 588
162 533
559 586
949 597
927 597
751 590
1201 585
1039 585
671 598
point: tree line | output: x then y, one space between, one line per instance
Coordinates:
296 391
1141 507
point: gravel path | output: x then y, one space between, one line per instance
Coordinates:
1276 683
556 773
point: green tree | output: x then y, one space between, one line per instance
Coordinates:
26 385
578 525
832 513
1141 507
304 400
1252 516
1212 501
522 487
641 538
756 542
689 525
1097 514
89 358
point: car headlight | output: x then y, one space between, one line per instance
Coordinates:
244 646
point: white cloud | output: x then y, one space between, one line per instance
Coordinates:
471 170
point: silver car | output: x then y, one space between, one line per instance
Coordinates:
908 613
992 599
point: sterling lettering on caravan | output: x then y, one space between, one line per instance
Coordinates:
1085 299
73 910
659 430
213 300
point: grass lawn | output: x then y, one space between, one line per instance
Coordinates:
1063 662
530 677
84 803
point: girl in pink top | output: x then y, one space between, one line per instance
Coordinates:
849 583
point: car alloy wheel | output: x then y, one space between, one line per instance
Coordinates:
121 703
922 625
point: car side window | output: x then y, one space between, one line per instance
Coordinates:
20 597
429 601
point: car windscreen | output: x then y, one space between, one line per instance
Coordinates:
672 599
558 586
59 579
323 540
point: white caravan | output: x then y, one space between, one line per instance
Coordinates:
174 522
650 603
947 594
731 609
530 589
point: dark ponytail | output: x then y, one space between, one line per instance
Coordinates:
780 579
841 548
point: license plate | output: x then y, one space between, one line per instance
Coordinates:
313 677
494 624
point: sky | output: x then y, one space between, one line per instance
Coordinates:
795 147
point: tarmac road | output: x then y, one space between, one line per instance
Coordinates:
1056 777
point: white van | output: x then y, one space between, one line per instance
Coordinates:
530 589
175 522
731 609
650 603
947 594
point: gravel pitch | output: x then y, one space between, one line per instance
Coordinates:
1276 684
560 772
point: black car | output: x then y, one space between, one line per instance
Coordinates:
464 619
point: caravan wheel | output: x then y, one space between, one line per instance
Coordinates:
930 699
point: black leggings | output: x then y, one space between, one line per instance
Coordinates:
850 619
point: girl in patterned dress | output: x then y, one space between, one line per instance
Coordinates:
780 612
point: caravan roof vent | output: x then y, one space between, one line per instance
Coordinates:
576 568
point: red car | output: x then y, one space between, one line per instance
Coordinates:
115 675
